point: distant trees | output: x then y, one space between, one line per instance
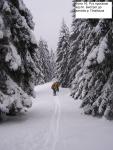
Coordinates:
46 61
52 63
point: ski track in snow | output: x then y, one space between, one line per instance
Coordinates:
54 126
55 123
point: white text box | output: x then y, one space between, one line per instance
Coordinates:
93 10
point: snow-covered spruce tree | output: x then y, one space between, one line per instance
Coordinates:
52 64
93 80
77 47
79 32
17 67
45 60
62 55
38 76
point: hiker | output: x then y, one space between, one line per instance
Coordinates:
55 87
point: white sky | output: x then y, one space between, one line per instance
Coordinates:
48 15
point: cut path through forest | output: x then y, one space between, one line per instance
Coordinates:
55 123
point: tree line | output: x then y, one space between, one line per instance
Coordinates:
85 64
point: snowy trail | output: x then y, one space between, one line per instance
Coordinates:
55 123
54 126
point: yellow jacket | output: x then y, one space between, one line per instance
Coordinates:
55 85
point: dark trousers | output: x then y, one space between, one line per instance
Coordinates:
54 92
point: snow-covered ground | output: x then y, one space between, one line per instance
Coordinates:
55 123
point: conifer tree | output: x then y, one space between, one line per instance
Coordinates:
93 78
52 63
45 60
18 68
62 55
